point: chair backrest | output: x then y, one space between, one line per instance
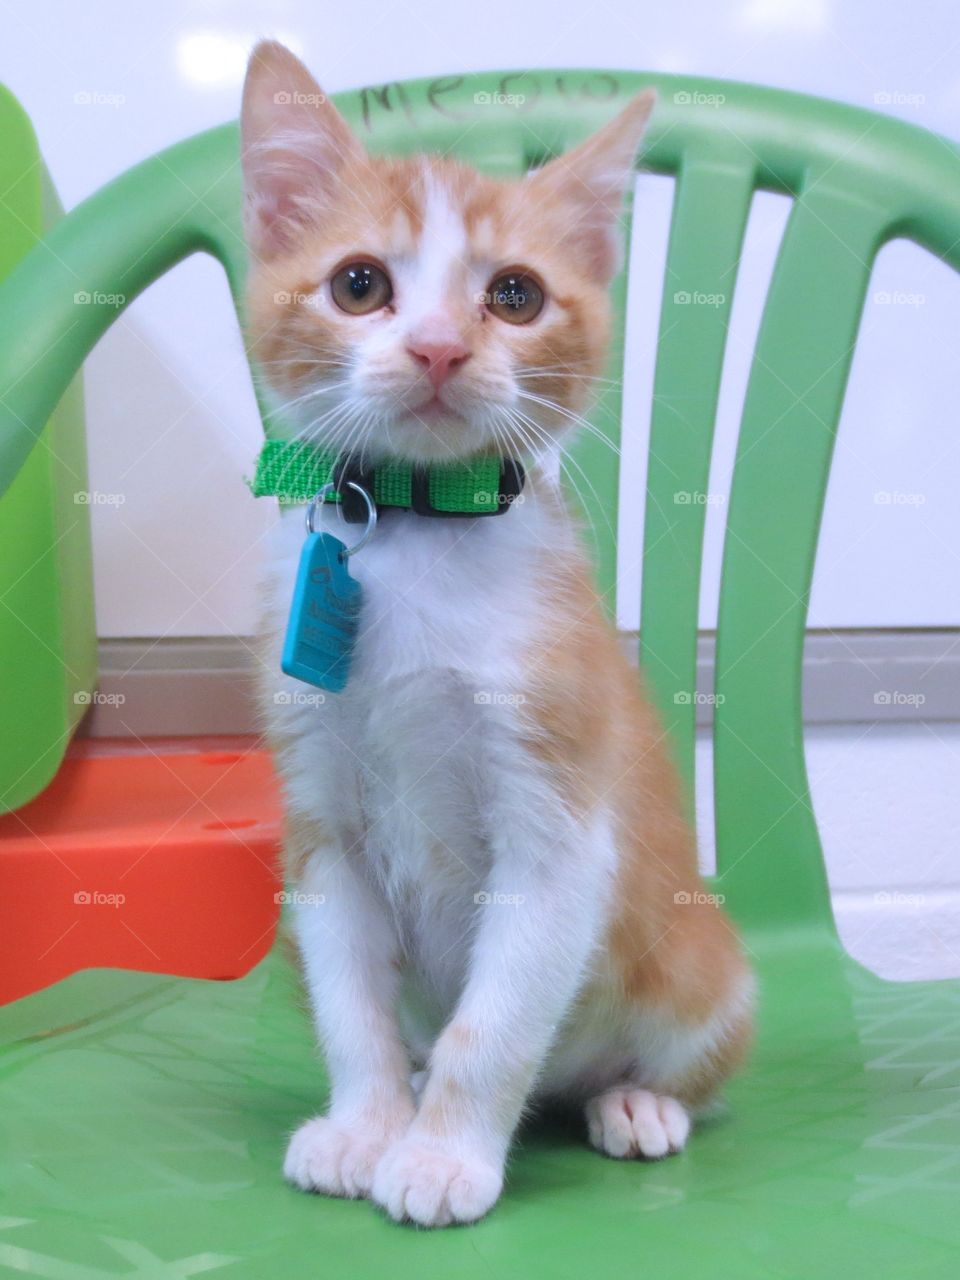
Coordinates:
857 179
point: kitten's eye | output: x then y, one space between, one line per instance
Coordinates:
515 297
361 287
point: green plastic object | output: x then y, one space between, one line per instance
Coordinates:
48 651
145 1118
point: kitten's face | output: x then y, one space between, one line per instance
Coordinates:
414 308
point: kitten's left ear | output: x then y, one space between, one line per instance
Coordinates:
592 179
294 145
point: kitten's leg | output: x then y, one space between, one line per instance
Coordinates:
684 1064
538 922
349 953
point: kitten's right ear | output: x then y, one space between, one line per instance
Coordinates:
591 181
294 144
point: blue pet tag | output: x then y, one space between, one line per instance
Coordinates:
324 616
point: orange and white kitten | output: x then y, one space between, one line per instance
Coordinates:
498 894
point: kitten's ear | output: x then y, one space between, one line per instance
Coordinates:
294 143
592 179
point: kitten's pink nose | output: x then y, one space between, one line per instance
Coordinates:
439 359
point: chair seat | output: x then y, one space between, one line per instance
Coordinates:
146 1117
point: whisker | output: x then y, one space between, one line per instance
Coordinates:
577 419
325 389
567 460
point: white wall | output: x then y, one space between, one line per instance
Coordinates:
172 424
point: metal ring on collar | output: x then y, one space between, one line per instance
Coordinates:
321 497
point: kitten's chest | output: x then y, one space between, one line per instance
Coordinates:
450 610
399 761
438 597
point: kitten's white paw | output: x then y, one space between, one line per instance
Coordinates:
626 1123
427 1185
334 1159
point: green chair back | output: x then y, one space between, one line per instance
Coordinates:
857 180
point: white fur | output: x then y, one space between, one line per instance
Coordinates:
427 281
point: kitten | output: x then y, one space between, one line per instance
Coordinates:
499 894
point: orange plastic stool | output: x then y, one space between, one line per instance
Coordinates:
156 858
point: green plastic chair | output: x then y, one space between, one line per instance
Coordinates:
146 1117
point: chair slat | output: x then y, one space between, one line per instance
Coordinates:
768 849
710 211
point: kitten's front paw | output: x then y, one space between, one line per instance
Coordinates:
334 1159
424 1184
627 1123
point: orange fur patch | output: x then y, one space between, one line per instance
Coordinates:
670 946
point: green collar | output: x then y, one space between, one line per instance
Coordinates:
296 472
